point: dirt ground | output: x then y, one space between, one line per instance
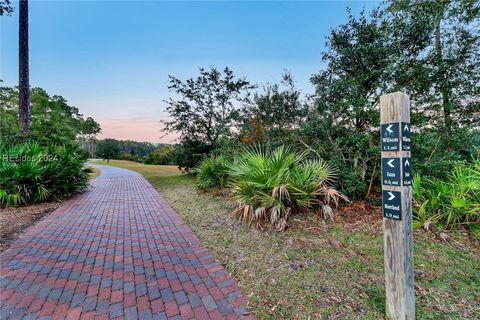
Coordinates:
15 221
361 216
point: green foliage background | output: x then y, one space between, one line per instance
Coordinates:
32 173
428 49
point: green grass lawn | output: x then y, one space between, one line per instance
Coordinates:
315 272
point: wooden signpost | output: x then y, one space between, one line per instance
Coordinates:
397 205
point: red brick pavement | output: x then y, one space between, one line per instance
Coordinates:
117 251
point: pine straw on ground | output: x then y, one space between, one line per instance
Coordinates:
15 221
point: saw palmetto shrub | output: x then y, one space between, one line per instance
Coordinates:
451 202
271 185
31 173
212 172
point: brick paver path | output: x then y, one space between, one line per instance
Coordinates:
117 251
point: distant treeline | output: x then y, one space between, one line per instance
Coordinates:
147 152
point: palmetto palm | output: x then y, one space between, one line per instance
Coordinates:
31 173
270 185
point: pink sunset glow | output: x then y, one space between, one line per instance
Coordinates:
138 129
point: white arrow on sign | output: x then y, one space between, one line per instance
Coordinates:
406 128
392 196
390 163
389 128
407 163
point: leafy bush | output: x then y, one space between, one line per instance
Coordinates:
32 173
272 185
161 156
82 153
434 156
451 203
129 157
189 153
213 171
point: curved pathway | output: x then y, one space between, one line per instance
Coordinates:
117 251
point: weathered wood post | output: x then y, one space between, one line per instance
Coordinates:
397 205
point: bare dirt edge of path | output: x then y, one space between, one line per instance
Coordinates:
15 221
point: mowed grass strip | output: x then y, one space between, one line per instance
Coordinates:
315 272
146 170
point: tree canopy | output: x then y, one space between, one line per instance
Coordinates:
438 45
53 120
5 7
428 49
207 107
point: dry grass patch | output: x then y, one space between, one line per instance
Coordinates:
95 172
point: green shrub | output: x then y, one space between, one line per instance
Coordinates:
212 172
450 203
129 157
189 153
272 185
32 173
434 155
161 156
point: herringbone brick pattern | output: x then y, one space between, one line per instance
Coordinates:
118 251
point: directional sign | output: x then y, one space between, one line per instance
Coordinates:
397 206
407 171
390 136
392 208
391 171
406 144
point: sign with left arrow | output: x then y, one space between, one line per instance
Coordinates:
391 171
392 208
390 136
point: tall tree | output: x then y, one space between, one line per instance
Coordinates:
207 107
23 75
109 149
275 113
5 7
348 89
279 105
347 93
87 136
439 46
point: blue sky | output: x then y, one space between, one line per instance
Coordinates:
111 59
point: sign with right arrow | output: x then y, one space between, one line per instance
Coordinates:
392 208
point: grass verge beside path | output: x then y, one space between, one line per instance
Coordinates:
315 272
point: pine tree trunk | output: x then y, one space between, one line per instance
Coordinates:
23 75
444 88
